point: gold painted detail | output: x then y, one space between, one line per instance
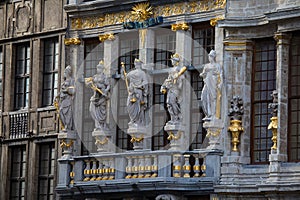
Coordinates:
181 27
144 11
137 139
173 137
214 133
56 105
108 36
214 21
64 144
235 128
273 126
101 142
70 41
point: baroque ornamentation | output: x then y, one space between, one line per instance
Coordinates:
274 119
144 10
215 20
235 112
182 27
70 41
108 36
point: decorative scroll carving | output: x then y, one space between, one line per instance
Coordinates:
215 20
164 10
69 41
108 36
182 27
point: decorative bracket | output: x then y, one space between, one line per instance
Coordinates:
183 27
69 41
108 36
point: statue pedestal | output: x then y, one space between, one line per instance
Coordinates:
138 135
176 135
214 129
66 140
103 140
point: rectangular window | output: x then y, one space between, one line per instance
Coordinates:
263 83
18 173
1 76
198 133
129 50
294 100
203 42
50 71
165 45
93 53
160 115
22 76
47 160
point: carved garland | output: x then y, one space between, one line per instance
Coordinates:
165 11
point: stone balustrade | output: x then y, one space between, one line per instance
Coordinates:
144 166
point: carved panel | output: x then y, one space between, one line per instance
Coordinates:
2 17
23 17
47 122
52 14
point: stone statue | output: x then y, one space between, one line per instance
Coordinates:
211 94
65 103
137 102
173 87
100 84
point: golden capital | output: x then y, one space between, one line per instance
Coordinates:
180 27
108 36
70 41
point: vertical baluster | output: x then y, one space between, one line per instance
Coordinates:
148 165
186 167
154 168
105 170
176 166
141 167
129 168
94 170
203 167
72 173
112 169
25 124
196 166
135 168
87 170
18 119
100 171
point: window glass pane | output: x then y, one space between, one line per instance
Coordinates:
263 85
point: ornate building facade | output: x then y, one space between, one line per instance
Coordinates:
191 99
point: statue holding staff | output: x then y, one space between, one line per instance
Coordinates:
137 87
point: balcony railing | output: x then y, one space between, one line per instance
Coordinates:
18 125
191 170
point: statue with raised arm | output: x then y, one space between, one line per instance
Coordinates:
173 87
64 101
137 87
100 84
211 94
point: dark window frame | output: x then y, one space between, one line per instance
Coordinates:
260 112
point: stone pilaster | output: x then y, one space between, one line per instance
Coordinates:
146 54
75 54
183 48
283 44
237 67
111 53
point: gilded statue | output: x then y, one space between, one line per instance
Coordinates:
100 84
137 87
211 94
172 86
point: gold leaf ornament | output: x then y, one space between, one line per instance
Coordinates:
142 11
